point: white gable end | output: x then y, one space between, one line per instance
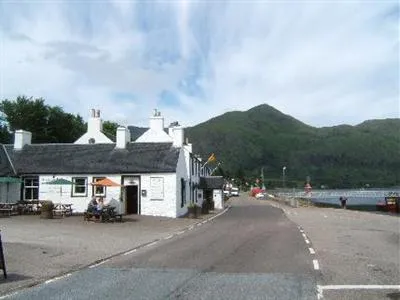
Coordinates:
154 136
93 137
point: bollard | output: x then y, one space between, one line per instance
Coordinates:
2 260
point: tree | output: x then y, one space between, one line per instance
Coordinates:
47 124
110 129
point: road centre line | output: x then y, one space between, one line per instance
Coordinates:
311 250
307 241
359 287
316 264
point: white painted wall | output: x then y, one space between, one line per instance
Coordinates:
63 193
13 192
94 131
182 171
155 206
218 199
154 136
22 138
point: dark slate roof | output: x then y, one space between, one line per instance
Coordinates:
5 165
211 182
94 159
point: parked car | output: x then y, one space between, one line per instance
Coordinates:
235 191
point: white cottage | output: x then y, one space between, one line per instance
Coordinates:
158 173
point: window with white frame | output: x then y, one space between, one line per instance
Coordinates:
79 186
31 188
98 191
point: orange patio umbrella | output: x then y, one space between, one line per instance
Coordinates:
105 182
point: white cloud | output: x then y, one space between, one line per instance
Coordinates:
322 63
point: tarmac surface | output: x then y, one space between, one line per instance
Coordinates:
38 249
258 249
251 252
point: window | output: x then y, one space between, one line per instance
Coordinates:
193 165
79 186
157 188
183 192
99 191
31 188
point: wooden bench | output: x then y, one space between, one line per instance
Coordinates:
6 211
103 216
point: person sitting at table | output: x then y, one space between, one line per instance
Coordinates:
100 204
92 207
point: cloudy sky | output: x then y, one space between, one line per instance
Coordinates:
325 63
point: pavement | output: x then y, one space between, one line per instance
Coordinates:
253 251
358 252
38 249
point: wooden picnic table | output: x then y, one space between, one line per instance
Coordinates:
63 209
106 214
8 208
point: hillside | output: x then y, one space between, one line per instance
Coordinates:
339 156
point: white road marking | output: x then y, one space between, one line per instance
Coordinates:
9 295
360 287
307 241
168 237
191 227
316 264
311 250
325 216
57 278
151 244
304 235
129 252
199 224
320 294
98 264
180 232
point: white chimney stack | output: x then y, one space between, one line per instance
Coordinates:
157 121
123 137
178 136
22 138
94 123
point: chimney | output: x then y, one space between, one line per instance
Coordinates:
94 123
178 136
22 138
123 137
157 121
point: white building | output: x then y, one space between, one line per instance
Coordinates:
157 172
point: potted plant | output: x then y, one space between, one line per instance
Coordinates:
46 210
193 210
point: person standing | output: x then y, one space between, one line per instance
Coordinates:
343 201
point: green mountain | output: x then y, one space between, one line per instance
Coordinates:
341 156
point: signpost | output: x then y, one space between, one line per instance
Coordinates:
2 260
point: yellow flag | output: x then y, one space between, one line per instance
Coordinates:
211 158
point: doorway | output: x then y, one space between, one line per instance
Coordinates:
132 205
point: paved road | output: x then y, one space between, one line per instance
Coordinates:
358 252
251 252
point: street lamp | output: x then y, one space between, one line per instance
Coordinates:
283 176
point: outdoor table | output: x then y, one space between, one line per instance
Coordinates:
6 208
62 208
